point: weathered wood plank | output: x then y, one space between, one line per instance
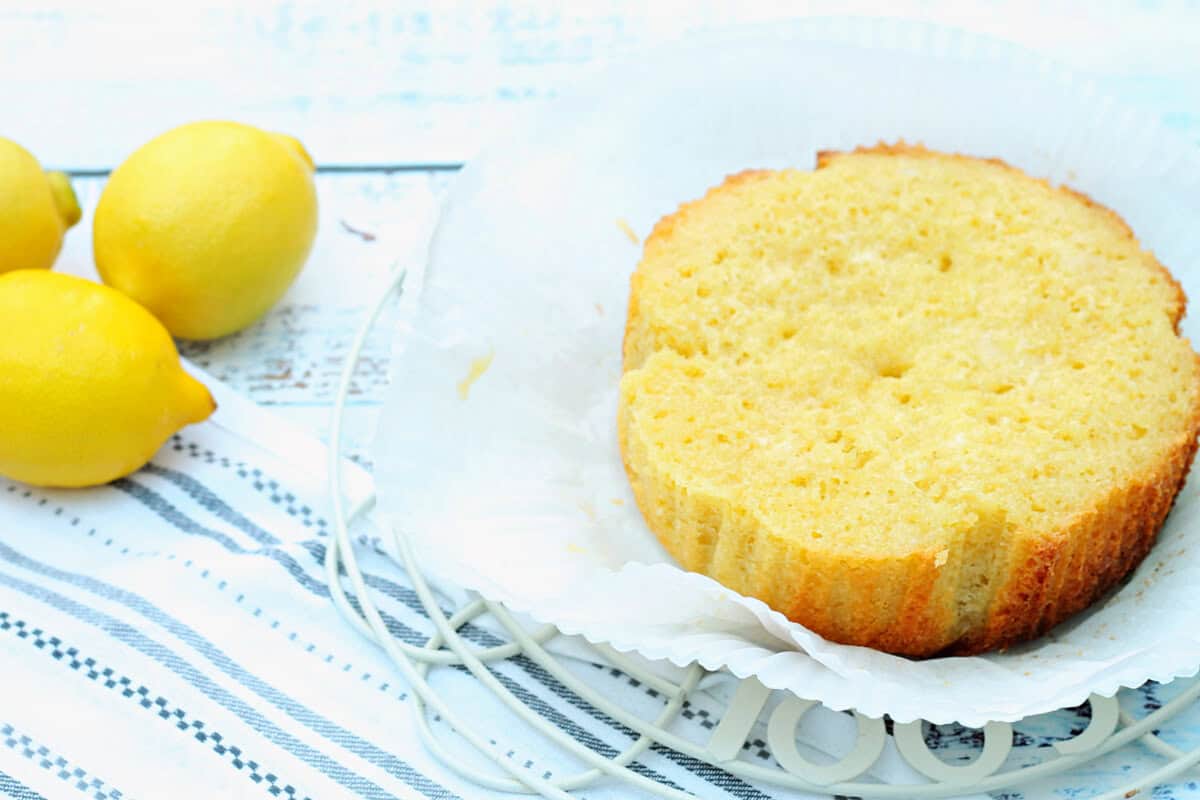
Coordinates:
378 81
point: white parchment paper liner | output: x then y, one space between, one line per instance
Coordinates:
517 491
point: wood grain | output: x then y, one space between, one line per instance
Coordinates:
384 82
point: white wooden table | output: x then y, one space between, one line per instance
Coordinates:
390 97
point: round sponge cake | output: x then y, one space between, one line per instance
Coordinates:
914 401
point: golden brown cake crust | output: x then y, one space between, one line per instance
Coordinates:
1043 578
1072 567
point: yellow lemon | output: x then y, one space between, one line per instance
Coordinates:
207 225
90 382
36 209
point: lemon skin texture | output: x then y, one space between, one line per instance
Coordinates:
90 382
207 225
36 210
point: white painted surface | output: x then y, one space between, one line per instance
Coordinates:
375 81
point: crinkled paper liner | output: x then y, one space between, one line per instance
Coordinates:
506 472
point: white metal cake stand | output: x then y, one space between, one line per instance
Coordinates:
1110 729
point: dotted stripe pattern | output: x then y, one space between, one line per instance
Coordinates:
206 574
133 637
262 483
15 790
140 694
50 761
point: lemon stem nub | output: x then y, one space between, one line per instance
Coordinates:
64 197
196 403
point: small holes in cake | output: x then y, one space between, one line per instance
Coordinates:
1003 388
945 263
1137 431
800 481
893 369
904 398
747 405
703 291
1077 365
787 333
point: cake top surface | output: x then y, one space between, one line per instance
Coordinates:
902 347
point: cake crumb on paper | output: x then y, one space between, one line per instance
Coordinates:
628 230
616 501
574 548
478 367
